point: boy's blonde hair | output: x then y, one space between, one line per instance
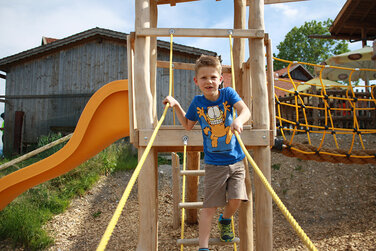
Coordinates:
210 61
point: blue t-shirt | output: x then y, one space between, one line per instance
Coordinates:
220 145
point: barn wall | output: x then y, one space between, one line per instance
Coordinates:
59 85
184 86
77 71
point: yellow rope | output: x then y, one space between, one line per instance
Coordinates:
275 197
233 114
328 128
106 236
183 197
110 228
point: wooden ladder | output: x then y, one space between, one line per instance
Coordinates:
176 174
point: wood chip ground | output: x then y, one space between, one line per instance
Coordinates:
335 204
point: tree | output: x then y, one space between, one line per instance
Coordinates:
297 46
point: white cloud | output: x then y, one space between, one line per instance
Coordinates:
286 10
57 19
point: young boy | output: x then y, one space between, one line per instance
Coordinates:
224 169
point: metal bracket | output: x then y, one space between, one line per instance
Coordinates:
185 139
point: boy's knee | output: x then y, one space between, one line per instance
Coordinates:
234 202
208 211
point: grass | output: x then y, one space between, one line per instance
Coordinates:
276 166
22 221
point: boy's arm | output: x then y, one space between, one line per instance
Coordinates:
186 123
244 115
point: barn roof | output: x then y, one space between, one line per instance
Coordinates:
283 74
355 17
49 46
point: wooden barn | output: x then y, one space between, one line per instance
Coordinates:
297 72
47 87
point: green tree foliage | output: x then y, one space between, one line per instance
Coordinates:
297 46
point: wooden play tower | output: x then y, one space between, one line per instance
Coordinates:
252 86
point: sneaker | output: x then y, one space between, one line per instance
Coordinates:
225 227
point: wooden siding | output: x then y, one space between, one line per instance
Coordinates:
184 86
59 85
54 89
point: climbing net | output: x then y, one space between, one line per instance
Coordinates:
327 111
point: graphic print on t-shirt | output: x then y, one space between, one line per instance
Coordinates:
215 117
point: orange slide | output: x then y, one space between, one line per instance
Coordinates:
104 120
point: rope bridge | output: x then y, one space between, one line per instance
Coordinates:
319 112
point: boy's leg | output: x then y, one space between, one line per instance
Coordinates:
225 220
231 207
206 217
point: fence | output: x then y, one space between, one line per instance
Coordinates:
345 108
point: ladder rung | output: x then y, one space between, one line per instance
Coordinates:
193 172
212 241
190 205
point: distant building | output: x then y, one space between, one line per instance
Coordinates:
47 87
297 72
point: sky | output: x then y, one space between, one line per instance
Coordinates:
24 22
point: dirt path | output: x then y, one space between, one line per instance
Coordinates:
335 204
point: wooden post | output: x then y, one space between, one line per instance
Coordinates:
270 77
263 201
193 163
153 58
147 183
243 87
132 121
246 215
239 43
175 164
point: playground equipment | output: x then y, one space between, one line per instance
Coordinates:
131 111
142 120
320 110
108 108
169 137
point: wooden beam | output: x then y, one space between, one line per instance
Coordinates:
68 95
263 200
132 112
147 182
35 152
212 241
172 136
186 66
270 82
192 172
340 37
3 76
153 60
193 163
189 32
281 1
266 1
175 164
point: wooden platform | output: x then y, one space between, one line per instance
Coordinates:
212 241
169 138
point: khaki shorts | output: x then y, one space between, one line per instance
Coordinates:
223 183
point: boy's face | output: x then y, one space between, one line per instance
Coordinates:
208 80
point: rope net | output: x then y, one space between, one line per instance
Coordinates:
328 110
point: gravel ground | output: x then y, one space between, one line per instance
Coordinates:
335 204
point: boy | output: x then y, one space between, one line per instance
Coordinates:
224 169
